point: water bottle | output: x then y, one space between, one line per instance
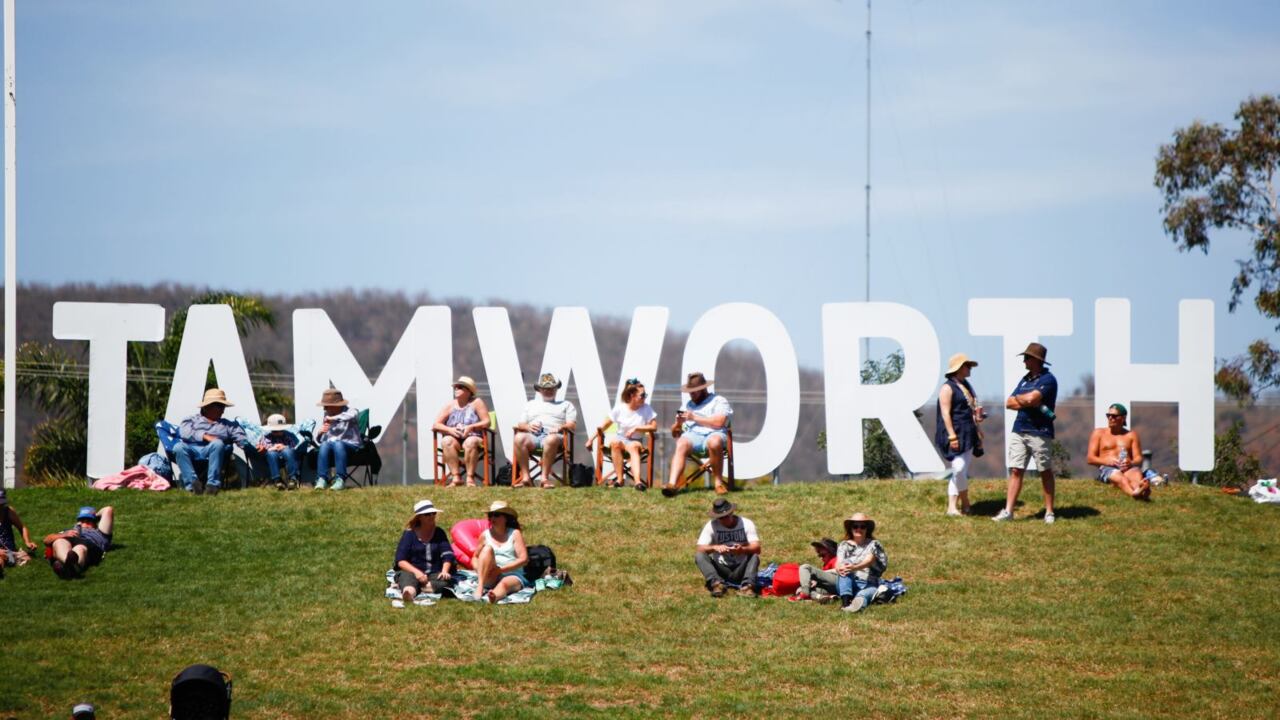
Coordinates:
1124 456
1048 412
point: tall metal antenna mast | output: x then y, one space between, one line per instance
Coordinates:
866 342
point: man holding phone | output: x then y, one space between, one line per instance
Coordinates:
700 429
728 551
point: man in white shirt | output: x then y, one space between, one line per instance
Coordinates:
539 429
700 428
728 551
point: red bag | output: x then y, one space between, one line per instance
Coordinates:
786 578
466 539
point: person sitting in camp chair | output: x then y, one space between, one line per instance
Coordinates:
73 551
461 422
209 437
539 429
279 444
700 429
337 436
631 418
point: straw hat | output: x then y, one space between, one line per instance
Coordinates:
860 517
696 381
332 396
958 361
215 396
276 422
500 506
548 382
464 381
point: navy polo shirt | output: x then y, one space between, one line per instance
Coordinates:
1031 421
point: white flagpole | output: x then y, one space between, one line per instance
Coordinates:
10 254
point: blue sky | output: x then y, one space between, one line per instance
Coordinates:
617 154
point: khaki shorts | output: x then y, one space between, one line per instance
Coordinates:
1024 447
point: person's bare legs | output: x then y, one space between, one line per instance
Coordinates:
550 454
633 450
1120 481
1138 487
409 593
715 451
486 569
106 519
450 446
1046 482
615 453
524 446
505 587
678 458
61 548
471 456
1015 487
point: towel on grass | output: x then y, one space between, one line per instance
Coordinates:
464 589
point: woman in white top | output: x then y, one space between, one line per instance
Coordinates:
502 555
633 417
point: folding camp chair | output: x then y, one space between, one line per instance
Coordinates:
364 458
565 461
646 459
488 445
167 433
703 463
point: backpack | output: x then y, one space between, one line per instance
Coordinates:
541 560
581 476
504 476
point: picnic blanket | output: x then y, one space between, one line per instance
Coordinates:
137 477
464 589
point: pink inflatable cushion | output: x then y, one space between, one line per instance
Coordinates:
466 538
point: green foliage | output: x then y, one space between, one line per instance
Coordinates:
879 457
1233 466
58 448
284 591
1213 178
1059 459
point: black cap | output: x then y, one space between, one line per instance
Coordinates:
826 544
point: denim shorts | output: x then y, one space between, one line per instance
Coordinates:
1105 472
518 574
698 441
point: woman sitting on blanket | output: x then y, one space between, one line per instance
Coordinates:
860 561
424 558
502 556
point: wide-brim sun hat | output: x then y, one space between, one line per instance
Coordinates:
465 381
548 382
215 396
720 508
1037 351
958 361
500 506
860 517
276 422
696 381
331 397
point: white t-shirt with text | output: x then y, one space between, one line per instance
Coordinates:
742 532
553 415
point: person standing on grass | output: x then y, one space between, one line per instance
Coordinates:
860 561
1113 449
957 436
728 551
338 436
1034 398
10 553
74 551
461 422
502 556
424 558
633 416
209 437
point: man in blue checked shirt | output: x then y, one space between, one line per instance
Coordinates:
1034 398
207 436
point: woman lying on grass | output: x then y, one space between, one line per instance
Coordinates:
860 560
502 555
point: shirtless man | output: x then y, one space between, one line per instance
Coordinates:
1105 446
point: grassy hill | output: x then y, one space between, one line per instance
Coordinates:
1120 609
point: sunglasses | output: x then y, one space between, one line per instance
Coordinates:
859 526
1114 415
633 381
644 396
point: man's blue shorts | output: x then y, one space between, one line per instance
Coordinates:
699 441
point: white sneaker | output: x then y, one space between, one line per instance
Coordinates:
1003 516
1049 518
397 603
856 606
422 600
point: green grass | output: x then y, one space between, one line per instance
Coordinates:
1119 610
